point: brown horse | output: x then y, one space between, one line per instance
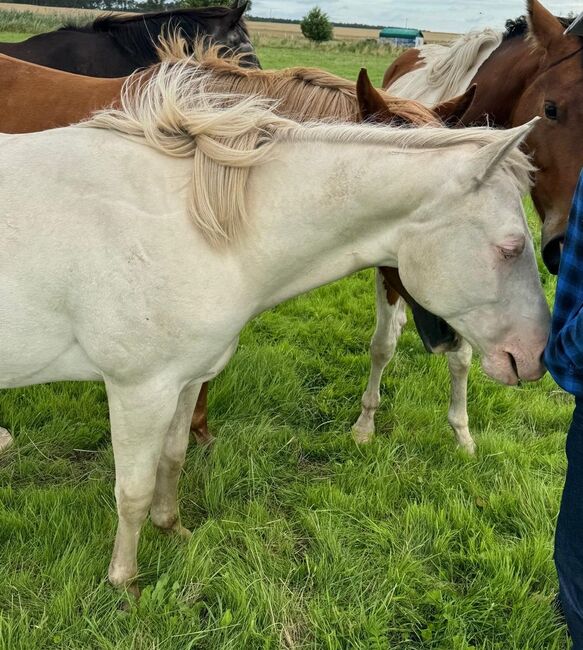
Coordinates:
533 69
36 98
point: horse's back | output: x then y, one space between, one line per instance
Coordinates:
78 52
35 98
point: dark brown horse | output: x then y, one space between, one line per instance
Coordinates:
534 69
116 45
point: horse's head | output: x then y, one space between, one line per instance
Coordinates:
231 32
472 262
556 94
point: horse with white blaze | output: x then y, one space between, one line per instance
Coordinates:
149 236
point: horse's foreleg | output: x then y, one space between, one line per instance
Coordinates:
459 367
140 419
199 422
164 510
391 318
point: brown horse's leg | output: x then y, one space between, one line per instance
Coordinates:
199 422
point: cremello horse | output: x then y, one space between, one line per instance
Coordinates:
160 229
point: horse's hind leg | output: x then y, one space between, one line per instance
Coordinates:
6 439
164 510
199 423
140 419
391 318
459 367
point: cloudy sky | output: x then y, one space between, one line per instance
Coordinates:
448 16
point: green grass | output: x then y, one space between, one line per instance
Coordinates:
301 539
346 64
13 37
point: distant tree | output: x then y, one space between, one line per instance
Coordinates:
316 26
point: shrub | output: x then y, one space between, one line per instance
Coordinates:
316 26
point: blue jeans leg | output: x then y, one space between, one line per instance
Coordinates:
569 536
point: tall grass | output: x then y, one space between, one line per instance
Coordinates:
365 47
30 22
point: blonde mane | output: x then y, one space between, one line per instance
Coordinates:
304 94
174 110
446 67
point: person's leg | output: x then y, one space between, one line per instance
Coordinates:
569 537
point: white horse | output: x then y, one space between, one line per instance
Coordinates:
134 248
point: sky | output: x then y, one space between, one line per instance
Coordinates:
447 16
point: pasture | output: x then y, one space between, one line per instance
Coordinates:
301 539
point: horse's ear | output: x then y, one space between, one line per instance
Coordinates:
451 113
546 29
490 156
371 106
237 12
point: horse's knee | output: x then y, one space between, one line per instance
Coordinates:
382 351
133 503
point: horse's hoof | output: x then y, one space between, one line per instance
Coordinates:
203 437
468 447
175 529
361 437
182 532
6 439
131 596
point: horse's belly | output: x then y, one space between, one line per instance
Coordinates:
26 360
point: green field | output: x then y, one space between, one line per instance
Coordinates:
301 538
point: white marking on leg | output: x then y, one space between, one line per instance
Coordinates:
390 322
459 367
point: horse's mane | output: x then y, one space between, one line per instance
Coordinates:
446 67
139 33
303 94
519 26
173 110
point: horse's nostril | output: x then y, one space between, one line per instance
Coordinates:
551 254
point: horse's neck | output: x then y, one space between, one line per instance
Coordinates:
322 211
501 81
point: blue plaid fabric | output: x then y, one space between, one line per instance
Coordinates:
564 352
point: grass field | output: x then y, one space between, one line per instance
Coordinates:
301 539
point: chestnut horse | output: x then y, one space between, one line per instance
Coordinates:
34 98
116 45
532 69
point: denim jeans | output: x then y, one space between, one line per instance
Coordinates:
569 536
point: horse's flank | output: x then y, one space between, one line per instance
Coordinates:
177 111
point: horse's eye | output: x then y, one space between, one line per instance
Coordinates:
551 111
